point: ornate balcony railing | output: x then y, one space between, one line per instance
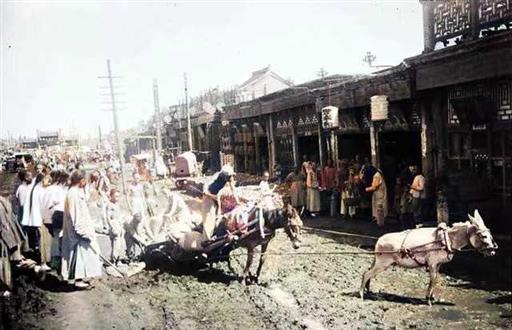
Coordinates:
461 20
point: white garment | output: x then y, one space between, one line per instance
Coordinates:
21 193
33 212
54 200
161 169
79 259
264 187
419 184
137 199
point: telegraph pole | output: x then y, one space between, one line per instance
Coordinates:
99 134
116 126
157 118
189 126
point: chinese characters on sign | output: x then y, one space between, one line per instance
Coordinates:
330 117
379 107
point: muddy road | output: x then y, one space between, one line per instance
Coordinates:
295 292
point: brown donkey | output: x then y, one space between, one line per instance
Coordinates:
429 247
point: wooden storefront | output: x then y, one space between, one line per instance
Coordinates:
463 92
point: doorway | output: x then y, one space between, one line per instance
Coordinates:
352 145
263 154
399 149
308 146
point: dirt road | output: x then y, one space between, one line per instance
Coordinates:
296 292
313 291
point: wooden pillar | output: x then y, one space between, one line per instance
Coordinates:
427 155
246 160
504 167
321 141
214 133
474 20
257 156
333 139
375 144
271 144
295 145
428 25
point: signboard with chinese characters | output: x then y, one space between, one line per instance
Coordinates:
379 107
330 117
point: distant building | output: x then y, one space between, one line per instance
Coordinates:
29 144
48 138
262 82
203 108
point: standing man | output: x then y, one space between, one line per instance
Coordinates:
406 214
418 195
374 182
80 260
21 193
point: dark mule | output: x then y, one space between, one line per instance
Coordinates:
286 218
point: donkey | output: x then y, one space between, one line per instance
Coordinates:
429 247
287 218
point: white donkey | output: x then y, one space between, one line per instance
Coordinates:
429 247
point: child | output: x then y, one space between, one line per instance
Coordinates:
115 226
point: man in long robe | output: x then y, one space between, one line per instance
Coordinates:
374 179
80 259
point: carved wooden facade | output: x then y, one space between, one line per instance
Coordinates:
496 95
464 19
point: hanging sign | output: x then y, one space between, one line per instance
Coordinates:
379 105
330 117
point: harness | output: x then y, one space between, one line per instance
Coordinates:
445 243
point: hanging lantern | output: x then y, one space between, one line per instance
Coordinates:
379 107
330 117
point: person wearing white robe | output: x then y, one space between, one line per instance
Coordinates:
33 216
80 260
55 198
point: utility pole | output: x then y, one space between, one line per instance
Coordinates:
116 126
158 123
189 126
99 134
369 59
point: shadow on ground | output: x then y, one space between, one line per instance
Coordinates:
470 267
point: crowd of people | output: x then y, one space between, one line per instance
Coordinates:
355 188
52 205
53 202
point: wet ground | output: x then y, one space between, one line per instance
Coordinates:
296 291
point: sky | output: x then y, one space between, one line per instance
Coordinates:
52 52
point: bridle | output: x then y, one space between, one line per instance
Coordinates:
482 235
